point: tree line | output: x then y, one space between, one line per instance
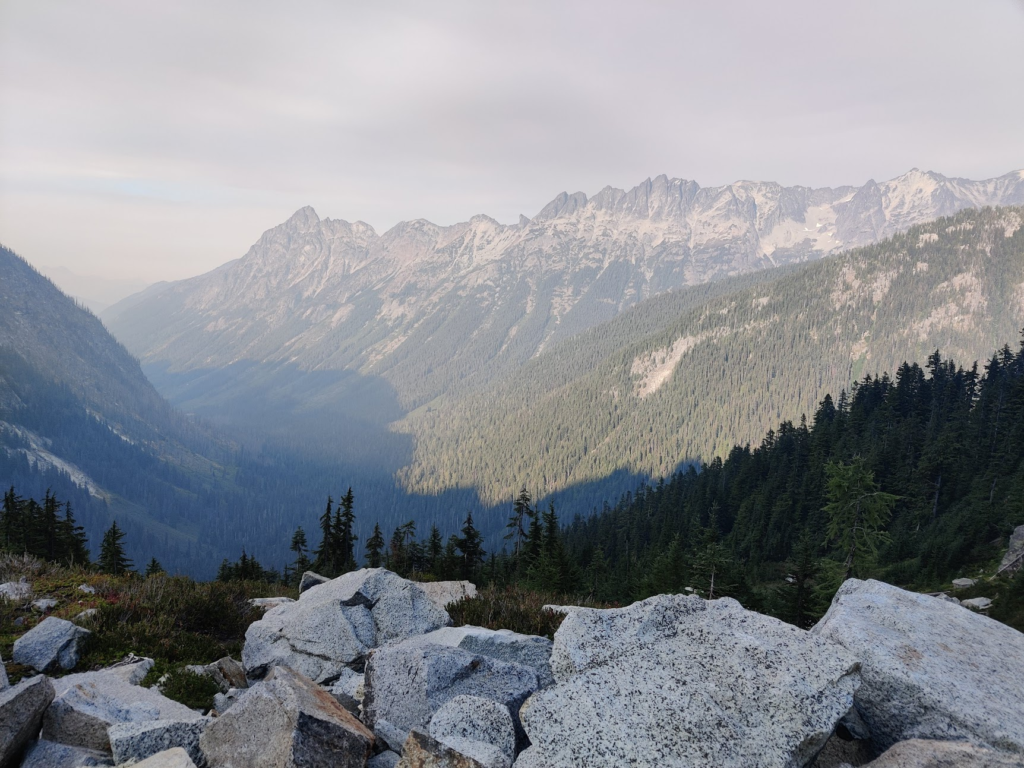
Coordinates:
50 532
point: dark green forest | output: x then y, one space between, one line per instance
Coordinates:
943 444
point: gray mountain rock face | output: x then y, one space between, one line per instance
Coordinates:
920 753
50 645
334 624
338 295
286 721
408 682
21 709
83 713
133 742
930 669
478 728
679 681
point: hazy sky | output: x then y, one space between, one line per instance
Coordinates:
156 140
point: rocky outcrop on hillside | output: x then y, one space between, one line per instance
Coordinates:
900 679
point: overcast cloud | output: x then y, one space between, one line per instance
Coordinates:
158 140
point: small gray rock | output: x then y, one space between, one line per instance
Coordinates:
85 616
310 579
21 709
49 754
137 741
478 728
172 758
269 602
422 751
348 690
930 669
44 605
226 673
386 759
222 702
3 675
87 589
920 753
286 721
964 583
977 603
16 591
83 713
50 645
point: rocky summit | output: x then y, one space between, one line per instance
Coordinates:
889 679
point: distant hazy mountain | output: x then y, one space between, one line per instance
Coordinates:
434 309
96 293
690 374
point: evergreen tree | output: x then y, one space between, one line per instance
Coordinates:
343 525
325 555
154 568
522 512
74 544
375 548
857 512
300 547
435 550
470 545
113 559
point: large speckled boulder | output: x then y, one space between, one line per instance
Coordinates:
286 721
930 669
502 644
49 754
680 681
335 624
21 708
444 593
408 682
478 728
919 753
51 645
83 713
133 742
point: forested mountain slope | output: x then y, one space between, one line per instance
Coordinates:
725 371
428 310
935 451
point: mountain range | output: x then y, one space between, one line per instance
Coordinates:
434 310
